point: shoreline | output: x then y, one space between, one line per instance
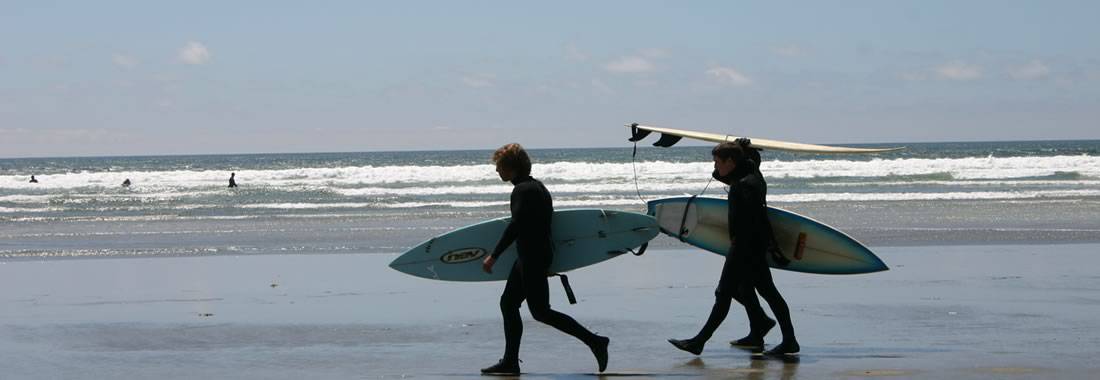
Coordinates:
941 311
665 243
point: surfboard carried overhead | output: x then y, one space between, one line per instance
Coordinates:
670 136
811 246
581 237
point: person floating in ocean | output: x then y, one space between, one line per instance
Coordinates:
232 181
532 210
33 180
126 183
746 270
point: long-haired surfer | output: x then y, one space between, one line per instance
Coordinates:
745 271
532 210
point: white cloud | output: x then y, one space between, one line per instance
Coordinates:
729 75
478 81
913 76
629 65
653 53
959 71
1093 74
194 53
124 61
601 87
1032 70
573 53
788 51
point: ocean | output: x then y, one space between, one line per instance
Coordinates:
384 202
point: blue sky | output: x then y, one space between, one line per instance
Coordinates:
141 77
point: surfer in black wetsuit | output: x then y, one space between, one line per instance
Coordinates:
33 180
532 210
126 183
746 270
232 181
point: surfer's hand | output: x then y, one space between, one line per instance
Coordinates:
487 264
743 141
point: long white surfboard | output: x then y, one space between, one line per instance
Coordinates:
581 237
756 142
811 246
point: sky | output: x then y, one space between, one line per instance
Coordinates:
93 78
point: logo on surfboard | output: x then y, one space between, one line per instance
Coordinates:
462 255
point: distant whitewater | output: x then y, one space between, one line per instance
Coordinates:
180 205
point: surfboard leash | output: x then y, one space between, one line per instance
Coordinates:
684 218
634 166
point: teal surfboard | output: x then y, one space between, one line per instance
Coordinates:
811 246
581 237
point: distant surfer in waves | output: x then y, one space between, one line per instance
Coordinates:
33 180
746 270
126 183
232 181
532 210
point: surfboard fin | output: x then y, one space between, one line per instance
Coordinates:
667 140
637 134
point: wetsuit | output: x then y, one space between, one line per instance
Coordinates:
532 211
746 268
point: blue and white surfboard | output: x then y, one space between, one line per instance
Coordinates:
582 237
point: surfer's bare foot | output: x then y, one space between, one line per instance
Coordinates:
787 347
751 341
599 349
689 345
755 339
503 367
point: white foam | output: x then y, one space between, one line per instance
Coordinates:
454 204
986 183
974 195
960 168
569 188
306 205
20 198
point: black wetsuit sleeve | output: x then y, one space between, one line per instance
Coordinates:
509 237
519 200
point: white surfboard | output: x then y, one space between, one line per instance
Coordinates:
809 245
581 237
756 142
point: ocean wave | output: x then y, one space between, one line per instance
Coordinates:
554 188
968 183
958 168
939 196
558 203
1053 168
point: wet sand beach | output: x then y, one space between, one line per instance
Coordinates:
1007 311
